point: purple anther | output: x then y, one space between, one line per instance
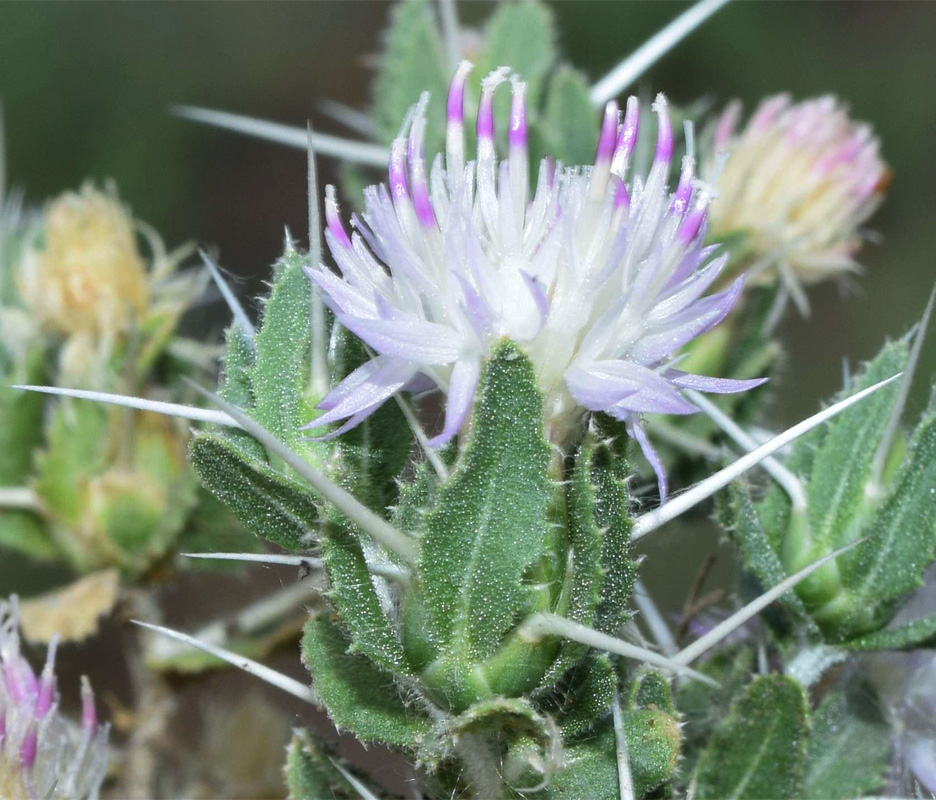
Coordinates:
29 746
684 189
333 218
517 133
693 222
664 148
417 165
489 86
397 170
606 140
47 682
89 719
455 105
628 137
621 195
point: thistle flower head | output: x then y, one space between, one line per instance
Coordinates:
800 179
600 279
43 755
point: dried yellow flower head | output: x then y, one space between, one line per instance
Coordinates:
799 180
86 275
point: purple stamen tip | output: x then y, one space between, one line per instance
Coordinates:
664 149
455 105
621 195
333 218
89 719
684 190
486 106
29 747
397 171
517 133
692 224
609 128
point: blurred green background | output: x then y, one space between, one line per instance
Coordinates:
86 90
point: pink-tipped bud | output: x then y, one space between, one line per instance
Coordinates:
333 218
517 132
664 148
627 138
608 137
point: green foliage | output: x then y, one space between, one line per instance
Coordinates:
570 126
919 633
358 696
309 772
412 62
652 690
849 749
522 37
354 597
590 765
489 523
587 695
21 412
760 749
266 502
279 375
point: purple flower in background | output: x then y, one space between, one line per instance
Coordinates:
43 755
800 179
600 280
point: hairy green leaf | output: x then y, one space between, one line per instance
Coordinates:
279 376
849 749
759 751
489 523
570 123
912 635
358 695
411 63
267 503
309 772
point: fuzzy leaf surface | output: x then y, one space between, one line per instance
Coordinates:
919 633
412 63
849 749
520 36
359 696
760 749
309 773
355 598
590 765
569 120
279 376
267 503
901 536
489 523
842 465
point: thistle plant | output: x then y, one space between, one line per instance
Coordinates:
442 410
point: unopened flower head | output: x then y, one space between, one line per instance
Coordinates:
43 755
599 279
87 274
800 180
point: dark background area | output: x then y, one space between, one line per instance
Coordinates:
86 90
